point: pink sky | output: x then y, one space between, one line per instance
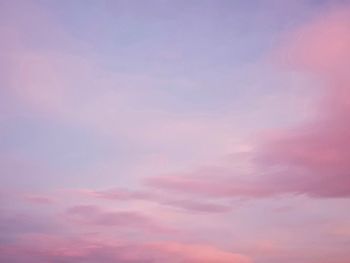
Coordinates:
174 131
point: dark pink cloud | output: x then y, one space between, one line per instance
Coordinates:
316 155
312 158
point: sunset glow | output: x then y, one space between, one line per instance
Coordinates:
174 131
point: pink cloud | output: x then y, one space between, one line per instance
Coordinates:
114 194
312 158
92 215
45 248
316 155
197 206
198 253
186 204
88 233
216 186
39 199
321 45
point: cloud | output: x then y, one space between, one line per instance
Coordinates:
92 215
39 199
186 204
209 186
44 248
312 158
197 253
84 234
316 155
116 194
196 206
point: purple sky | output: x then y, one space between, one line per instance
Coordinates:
174 131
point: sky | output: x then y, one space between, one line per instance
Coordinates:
174 131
